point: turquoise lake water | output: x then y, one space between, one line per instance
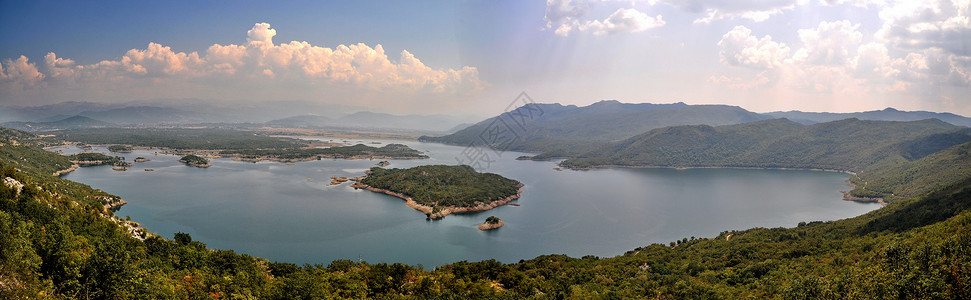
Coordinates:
272 210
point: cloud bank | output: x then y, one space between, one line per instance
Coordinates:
259 64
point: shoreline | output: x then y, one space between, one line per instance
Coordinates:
846 195
849 197
68 170
708 167
210 154
317 157
487 226
428 210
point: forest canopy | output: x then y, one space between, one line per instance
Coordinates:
440 185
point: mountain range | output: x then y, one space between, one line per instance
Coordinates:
554 126
888 114
282 114
73 122
548 126
372 120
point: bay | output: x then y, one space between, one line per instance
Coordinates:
290 213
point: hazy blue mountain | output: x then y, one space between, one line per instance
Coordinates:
52 112
849 144
458 127
73 122
888 114
439 123
372 120
554 125
303 121
148 115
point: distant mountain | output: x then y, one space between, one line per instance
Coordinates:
372 120
888 114
52 112
554 125
303 121
74 122
458 127
148 115
438 123
849 144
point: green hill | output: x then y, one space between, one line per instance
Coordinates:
883 152
57 241
550 126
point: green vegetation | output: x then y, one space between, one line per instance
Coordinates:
96 159
883 153
19 150
359 150
180 138
57 241
193 160
119 148
492 220
440 185
247 145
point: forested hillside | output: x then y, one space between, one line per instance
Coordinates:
56 241
883 153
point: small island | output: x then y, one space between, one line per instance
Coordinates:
120 148
141 159
439 190
195 161
492 222
87 159
383 163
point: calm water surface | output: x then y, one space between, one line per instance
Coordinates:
290 213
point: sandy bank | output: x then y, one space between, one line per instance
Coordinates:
68 170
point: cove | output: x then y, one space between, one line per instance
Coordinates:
290 213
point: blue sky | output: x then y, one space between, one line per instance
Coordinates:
474 57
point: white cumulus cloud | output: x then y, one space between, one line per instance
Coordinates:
20 73
829 43
714 10
566 16
739 47
355 68
923 24
623 20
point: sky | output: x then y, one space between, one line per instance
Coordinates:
476 57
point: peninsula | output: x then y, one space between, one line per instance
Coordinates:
439 190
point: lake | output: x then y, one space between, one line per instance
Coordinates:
291 213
